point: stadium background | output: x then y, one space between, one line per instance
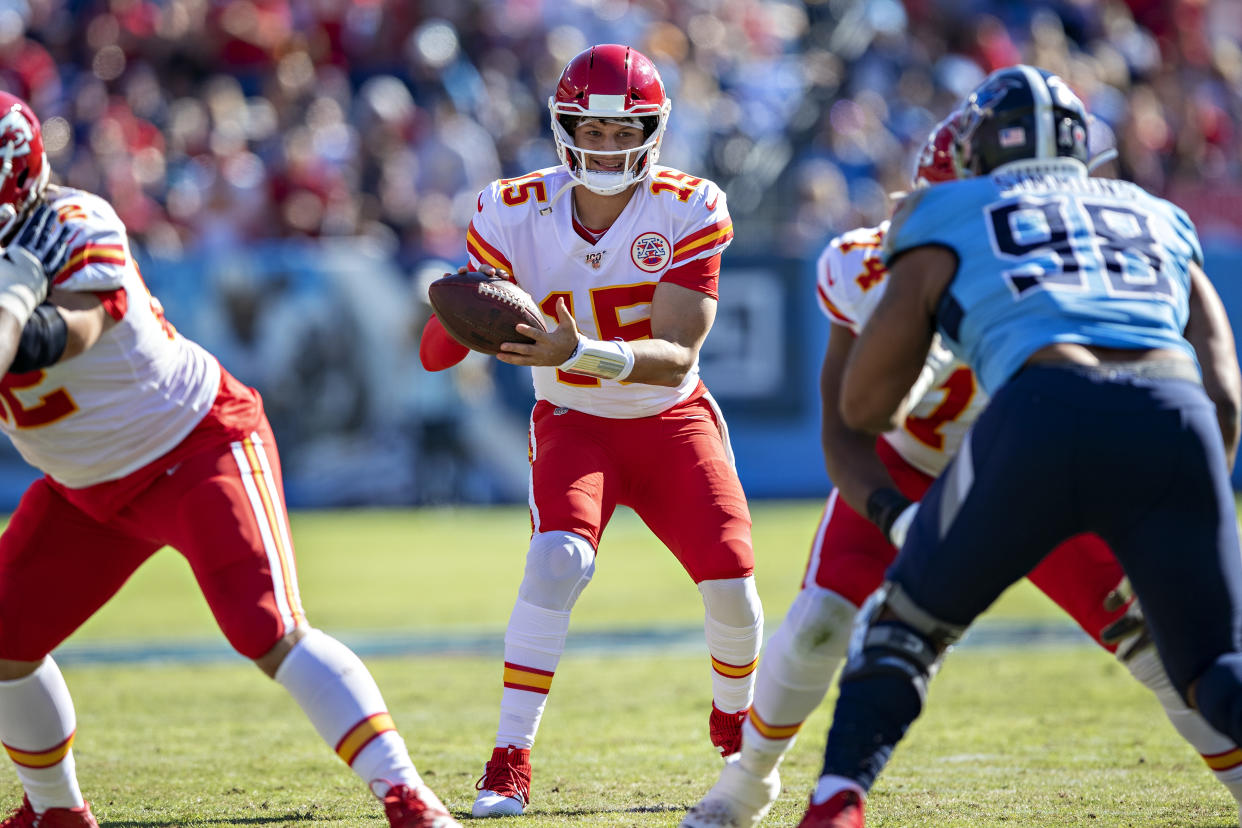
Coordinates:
294 172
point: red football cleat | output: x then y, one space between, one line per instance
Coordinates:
726 730
844 809
408 807
26 817
504 788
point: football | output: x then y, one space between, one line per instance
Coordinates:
480 311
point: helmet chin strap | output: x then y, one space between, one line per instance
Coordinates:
589 179
586 182
602 183
544 211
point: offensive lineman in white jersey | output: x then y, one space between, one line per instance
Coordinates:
626 266
144 441
853 545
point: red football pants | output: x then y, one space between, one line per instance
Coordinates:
850 555
222 507
672 468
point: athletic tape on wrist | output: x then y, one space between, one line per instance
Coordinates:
22 284
612 360
19 301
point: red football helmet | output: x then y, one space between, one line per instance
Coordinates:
24 170
935 162
616 83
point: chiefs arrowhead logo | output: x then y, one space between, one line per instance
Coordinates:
15 132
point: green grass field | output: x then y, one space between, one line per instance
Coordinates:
1036 737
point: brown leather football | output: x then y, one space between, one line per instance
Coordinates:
480 311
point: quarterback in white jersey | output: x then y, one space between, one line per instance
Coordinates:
144 441
673 225
623 257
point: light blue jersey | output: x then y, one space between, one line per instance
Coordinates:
1052 256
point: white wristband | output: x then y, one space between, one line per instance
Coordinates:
606 360
23 286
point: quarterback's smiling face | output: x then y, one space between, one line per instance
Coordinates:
604 137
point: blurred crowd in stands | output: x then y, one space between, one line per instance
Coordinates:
211 123
222 129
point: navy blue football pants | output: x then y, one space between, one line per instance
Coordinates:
1062 450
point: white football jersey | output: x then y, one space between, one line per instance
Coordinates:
672 219
851 278
130 398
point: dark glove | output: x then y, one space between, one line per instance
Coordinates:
893 513
43 241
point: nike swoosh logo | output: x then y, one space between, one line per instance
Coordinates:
711 205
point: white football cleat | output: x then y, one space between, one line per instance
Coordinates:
504 788
492 804
739 799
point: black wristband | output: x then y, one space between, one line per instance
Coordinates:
42 342
883 507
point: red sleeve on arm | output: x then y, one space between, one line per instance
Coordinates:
115 302
701 275
437 350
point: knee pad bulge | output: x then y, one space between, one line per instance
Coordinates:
558 567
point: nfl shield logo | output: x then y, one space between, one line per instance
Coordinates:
651 252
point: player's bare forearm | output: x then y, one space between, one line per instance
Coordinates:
888 357
885 362
656 361
86 320
660 362
1208 330
680 320
849 455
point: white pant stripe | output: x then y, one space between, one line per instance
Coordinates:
817 544
265 532
724 429
530 484
282 524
